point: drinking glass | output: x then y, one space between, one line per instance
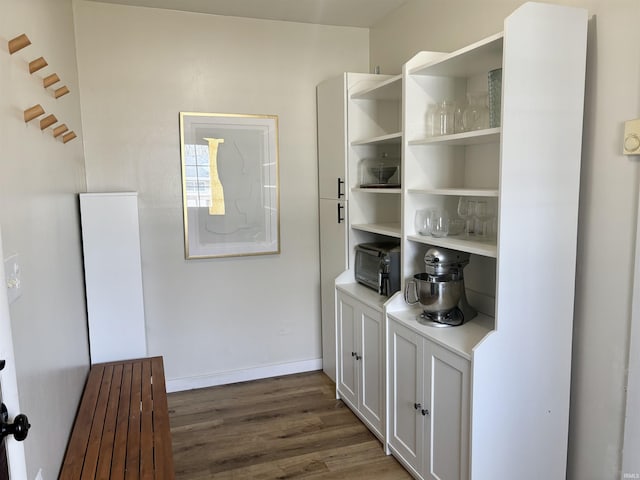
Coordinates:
466 211
483 212
422 221
439 223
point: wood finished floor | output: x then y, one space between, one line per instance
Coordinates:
277 428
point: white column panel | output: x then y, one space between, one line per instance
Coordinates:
113 276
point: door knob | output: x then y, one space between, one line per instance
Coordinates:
19 428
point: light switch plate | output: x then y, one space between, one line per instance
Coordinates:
12 276
631 143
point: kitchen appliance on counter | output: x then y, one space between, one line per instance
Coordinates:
377 266
379 172
440 290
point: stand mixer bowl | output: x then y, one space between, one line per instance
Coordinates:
437 295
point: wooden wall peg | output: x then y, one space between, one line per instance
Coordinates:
18 43
37 64
59 130
63 90
67 137
48 121
33 112
50 80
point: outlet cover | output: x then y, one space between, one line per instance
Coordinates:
13 279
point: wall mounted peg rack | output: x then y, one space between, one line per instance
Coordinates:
33 112
18 43
63 90
50 80
37 64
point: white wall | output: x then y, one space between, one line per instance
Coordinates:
39 180
214 319
608 201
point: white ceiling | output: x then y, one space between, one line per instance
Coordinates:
348 13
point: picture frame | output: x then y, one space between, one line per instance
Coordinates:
230 185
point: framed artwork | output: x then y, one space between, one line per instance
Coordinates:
230 190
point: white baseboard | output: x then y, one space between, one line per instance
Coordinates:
224 378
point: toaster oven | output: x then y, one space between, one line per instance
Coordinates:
377 266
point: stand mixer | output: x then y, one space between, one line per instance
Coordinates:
440 290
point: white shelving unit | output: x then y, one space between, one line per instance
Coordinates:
510 369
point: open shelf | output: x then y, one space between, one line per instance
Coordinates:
486 248
391 138
476 58
456 192
377 190
390 89
476 137
388 229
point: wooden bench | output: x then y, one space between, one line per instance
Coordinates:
122 427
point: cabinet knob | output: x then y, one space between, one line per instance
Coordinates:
358 357
424 412
417 406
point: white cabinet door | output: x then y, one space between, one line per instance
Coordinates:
347 362
371 366
333 261
406 396
360 361
447 386
429 406
332 138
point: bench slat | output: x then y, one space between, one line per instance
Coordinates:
132 471
108 434
122 425
74 459
163 453
95 437
146 425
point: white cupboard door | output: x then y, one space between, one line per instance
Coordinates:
332 138
406 396
370 353
447 442
333 261
347 363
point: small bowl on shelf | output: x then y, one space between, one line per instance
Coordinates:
382 174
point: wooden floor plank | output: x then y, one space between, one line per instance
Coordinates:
280 428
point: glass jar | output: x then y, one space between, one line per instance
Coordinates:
431 121
476 115
445 116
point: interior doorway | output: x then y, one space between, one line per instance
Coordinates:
11 451
4 465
